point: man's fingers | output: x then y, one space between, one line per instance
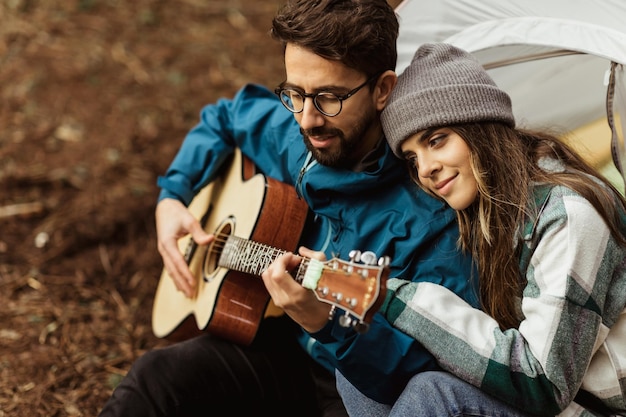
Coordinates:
199 235
309 253
178 269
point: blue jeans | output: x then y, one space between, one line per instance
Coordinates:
428 394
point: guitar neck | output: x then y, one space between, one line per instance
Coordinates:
243 255
250 257
355 288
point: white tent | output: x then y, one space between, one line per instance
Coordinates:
553 57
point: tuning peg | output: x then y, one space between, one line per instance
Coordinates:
345 320
368 258
384 261
355 255
323 291
361 327
352 302
331 313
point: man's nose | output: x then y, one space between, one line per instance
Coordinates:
310 116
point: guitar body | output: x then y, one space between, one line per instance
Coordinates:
229 303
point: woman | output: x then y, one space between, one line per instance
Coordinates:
547 232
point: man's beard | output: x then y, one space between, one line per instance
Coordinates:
349 153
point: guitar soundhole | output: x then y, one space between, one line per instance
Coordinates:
214 251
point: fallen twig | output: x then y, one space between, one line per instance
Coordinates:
21 209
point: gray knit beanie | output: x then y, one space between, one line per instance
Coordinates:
444 85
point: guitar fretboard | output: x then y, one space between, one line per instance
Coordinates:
247 256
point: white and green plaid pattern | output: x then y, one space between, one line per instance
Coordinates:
574 332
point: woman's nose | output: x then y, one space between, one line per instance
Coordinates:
427 166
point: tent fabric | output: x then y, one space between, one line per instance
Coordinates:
552 57
595 27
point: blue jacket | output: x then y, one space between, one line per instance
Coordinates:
379 210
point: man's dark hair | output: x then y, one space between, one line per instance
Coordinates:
361 34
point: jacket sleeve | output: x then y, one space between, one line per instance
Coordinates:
567 306
254 120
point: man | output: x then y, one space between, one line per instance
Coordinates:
340 57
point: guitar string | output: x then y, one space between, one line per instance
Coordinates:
222 239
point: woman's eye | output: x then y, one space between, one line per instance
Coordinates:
435 140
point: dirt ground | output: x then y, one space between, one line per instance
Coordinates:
96 97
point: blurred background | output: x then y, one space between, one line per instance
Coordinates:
95 99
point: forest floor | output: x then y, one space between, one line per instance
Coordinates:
95 99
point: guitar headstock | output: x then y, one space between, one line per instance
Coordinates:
357 286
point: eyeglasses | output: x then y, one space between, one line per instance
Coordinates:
329 104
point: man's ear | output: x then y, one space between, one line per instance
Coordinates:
386 82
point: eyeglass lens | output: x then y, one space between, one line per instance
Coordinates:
327 103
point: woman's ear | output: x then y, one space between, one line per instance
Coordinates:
386 82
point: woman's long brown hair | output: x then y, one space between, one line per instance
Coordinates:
505 163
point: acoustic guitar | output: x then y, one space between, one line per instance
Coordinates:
255 219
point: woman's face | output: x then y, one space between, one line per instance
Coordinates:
442 160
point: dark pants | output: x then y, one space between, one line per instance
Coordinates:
207 376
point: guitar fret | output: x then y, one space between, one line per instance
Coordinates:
247 256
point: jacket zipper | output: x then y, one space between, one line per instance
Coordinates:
308 164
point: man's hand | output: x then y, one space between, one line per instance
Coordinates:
296 301
174 221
